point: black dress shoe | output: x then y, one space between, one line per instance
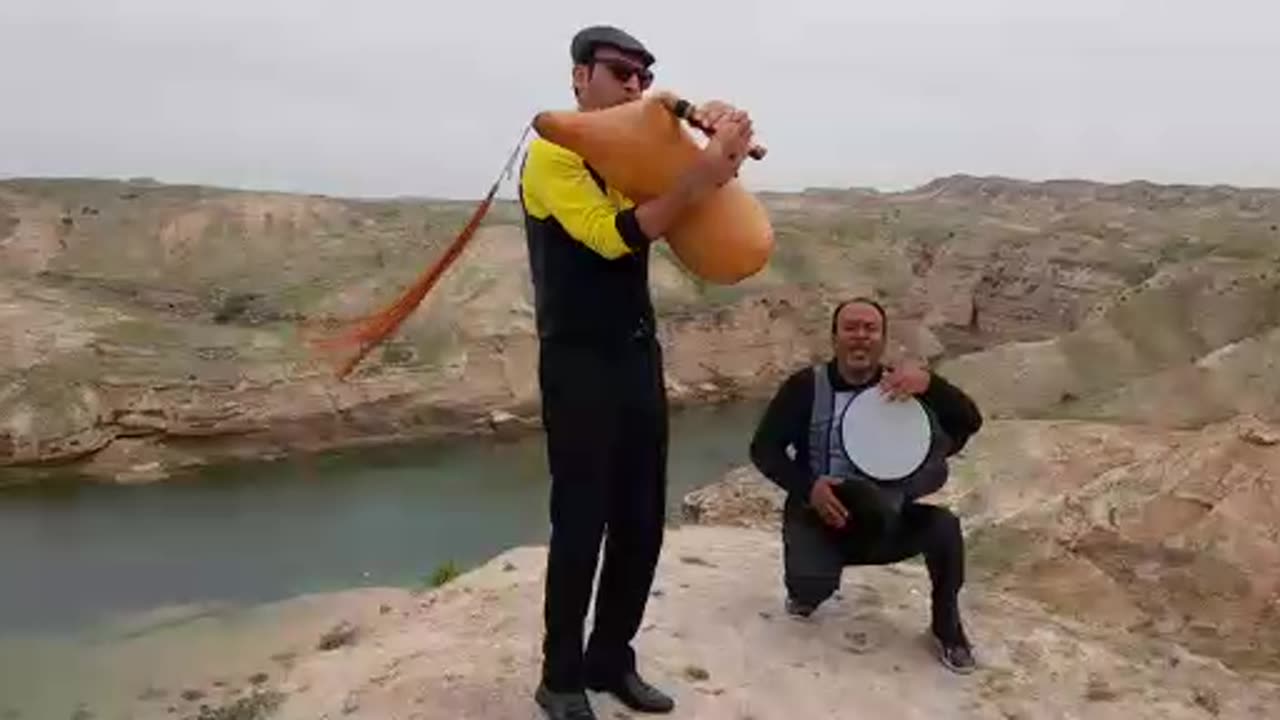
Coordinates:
564 705
635 693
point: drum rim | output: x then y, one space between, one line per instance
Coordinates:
924 456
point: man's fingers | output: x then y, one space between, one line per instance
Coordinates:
827 517
722 123
733 144
892 385
727 124
739 140
828 507
833 518
712 114
731 122
835 509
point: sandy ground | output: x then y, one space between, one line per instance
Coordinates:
170 661
717 638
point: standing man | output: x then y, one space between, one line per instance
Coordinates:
834 515
600 374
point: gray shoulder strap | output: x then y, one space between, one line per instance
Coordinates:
820 422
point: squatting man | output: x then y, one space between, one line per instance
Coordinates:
834 514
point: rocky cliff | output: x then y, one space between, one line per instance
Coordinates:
149 328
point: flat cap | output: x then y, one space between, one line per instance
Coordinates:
588 39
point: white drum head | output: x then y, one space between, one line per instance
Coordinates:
886 439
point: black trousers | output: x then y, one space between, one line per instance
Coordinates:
604 410
815 554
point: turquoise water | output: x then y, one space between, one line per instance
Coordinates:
74 556
107 589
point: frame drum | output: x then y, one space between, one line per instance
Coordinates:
885 439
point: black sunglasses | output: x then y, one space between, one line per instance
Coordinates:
623 71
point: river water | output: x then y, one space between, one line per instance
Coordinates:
75 558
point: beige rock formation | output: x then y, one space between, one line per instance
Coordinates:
1194 344
743 498
1170 534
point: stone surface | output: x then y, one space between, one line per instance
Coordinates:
718 640
1165 532
743 498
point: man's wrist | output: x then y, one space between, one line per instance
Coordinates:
695 183
806 487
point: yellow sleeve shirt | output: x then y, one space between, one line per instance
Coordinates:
556 183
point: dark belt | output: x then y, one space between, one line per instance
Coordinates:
639 331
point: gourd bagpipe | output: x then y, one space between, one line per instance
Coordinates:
641 148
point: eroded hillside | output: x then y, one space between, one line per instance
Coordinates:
149 327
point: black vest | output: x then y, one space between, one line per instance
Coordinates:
580 296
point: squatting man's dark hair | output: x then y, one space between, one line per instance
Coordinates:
884 317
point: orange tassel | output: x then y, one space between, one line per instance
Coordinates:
367 333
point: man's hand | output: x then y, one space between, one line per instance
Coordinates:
708 115
727 149
717 164
823 499
904 381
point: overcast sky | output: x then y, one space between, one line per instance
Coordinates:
427 97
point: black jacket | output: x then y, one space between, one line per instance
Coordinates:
785 424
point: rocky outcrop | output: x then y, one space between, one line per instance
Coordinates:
1195 344
51 423
1170 534
1166 533
743 498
